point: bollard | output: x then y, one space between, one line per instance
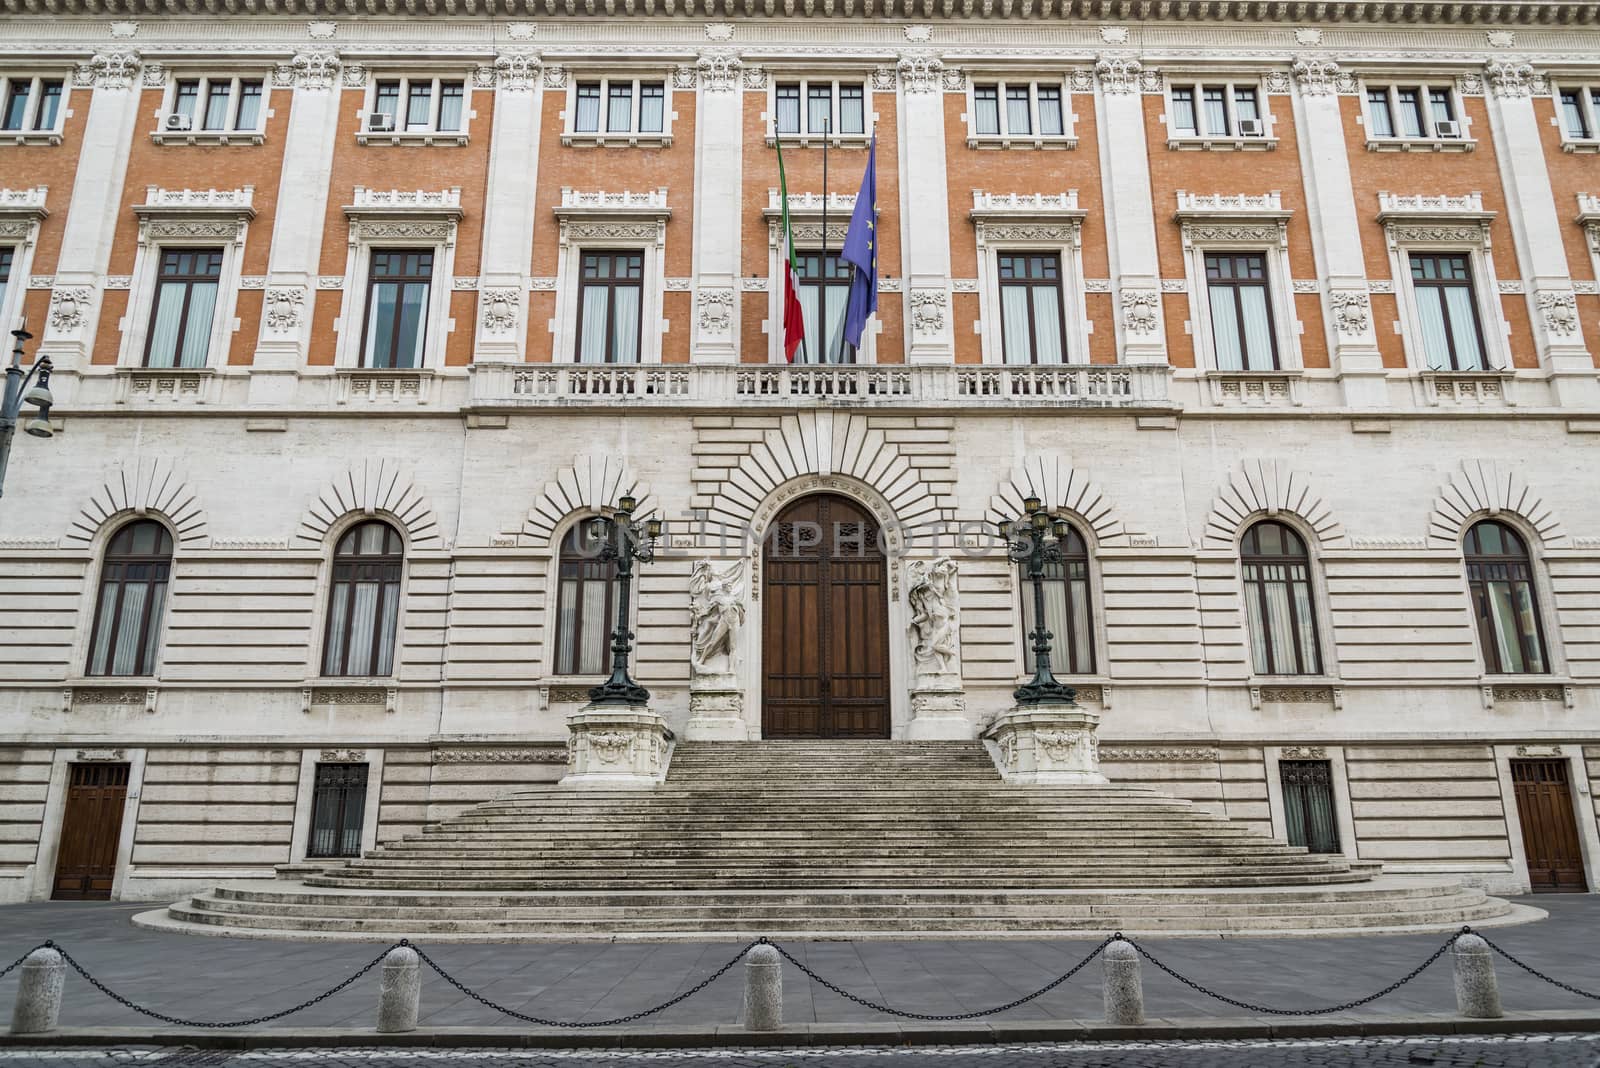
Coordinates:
44 973
1477 990
400 990
1124 990
763 989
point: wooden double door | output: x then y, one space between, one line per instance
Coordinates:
825 627
91 828
1549 827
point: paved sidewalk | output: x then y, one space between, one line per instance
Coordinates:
221 979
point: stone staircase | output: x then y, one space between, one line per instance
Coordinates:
820 839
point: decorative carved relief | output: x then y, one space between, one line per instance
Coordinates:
501 309
555 77
719 31
343 756
549 754
1319 77
716 310
312 69
69 308
1118 74
719 71
1303 752
927 311
1510 77
1351 311
516 72
1559 311
920 72
108 70
1141 311
283 309
1173 755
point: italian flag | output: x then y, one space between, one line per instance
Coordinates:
794 327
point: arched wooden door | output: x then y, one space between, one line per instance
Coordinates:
825 627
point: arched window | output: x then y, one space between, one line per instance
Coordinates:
133 593
1068 612
1503 602
364 601
584 606
1277 600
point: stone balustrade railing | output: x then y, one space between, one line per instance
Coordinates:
1068 385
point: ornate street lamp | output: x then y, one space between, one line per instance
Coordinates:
624 541
16 393
1026 543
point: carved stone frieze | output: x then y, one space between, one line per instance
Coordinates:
920 72
928 311
1559 312
547 754
1175 755
501 308
1351 312
284 308
69 307
1141 311
719 71
1118 74
108 70
516 72
715 310
1510 77
1303 752
343 756
101 755
312 69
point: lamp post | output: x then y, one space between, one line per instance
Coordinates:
623 541
1026 543
16 392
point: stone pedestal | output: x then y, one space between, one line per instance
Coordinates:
613 746
939 714
716 711
1047 744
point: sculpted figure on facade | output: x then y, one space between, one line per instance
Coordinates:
935 616
716 612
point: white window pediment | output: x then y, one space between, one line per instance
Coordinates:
1255 225
21 212
606 221
186 219
1032 225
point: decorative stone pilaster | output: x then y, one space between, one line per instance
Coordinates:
1047 744
613 746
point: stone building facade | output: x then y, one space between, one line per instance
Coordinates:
301 273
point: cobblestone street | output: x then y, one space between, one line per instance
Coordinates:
1544 1051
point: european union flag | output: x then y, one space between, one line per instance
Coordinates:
861 252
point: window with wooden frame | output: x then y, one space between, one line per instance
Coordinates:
620 106
364 602
584 605
338 810
1215 110
824 290
1413 113
1068 610
187 283
610 298
32 105
1580 113
820 107
421 109
1278 601
1447 309
1505 606
1033 328
1004 112
1239 295
131 601
215 105
398 289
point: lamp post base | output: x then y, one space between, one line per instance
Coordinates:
1046 745
611 746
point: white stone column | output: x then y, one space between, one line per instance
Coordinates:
1536 229
506 262
1336 236
292 260
719 164
110 81
924 211
1130 211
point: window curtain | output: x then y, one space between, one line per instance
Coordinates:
217 107
249 106
1257 328
567 627
1505 619
125 658
102 635
380 325
619 109
197 331
1435 339
836 298
1225 329
1014 311
591 652
1070 642
1183 116
450 108
788 110
419 107
1572 111
588 120
1308 627
164 328
819 110
988 111
1280 623
388 623
1047 323
363 619
592 341
651 105
625 325
1294 814
1017 118
1216 111
1464 325
338 628
1050 118
1324 829
852 110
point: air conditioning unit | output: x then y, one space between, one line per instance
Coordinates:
1447 128
180 122
378 122
1250 128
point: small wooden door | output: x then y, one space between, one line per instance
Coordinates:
825 632
1549 827
91 827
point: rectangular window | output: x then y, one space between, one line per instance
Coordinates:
1578 114
1018 112
185 305
829 108
652 107
216 105
1052 117
217 94
1018 109
1452 336
1308 804
1414 112
1241 311
623 107
1032 326
338 808
248 117
1216 110
986 104
186 100
824 290
584 611
1067 616
32 104
398 289
588 117
610 300
1214 107
619 108
417 106
1184 121
7 258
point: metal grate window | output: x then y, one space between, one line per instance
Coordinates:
1308 804
338 806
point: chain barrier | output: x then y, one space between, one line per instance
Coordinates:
217 1024
1267 1010
630 1018
9 968
1043 990
1568 987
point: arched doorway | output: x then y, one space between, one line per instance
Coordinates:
825 627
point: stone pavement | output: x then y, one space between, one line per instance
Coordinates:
221 979
1544 1051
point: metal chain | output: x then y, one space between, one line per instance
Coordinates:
215 1024
1568 987
630 1018
1269 1011
1068 974
9 968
